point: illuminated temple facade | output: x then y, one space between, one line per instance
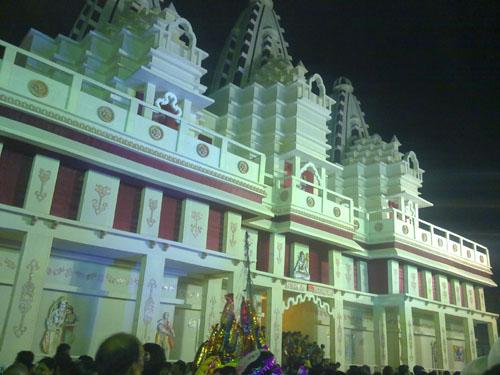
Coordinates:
127 188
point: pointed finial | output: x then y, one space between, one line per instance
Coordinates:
171 7
395 140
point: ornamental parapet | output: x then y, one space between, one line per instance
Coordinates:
101 111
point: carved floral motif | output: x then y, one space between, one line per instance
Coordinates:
105 113
43 176
26 298
98 204
243 167
155 132
38 88
202 150
149 307
153 205
233 227
196 228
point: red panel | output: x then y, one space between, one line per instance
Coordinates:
434 288
287 258
215 229
462 295
356 276
170 217
127 207
288 171
263 251
67 192
309 177
15 168
377 276
420 284
314 265
449 293
325 267
401 278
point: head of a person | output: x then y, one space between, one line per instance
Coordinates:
25 357
63 349
16 369
179 367
46 366
154 357
120 354
388 370
417 369
403 370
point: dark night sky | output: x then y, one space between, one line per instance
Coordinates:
427 71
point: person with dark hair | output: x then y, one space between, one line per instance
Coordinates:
154 358
120 354
403 370
179 368
388 370
25 358
446 372
417 369
16 369
46 366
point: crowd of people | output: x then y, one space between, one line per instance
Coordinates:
123 354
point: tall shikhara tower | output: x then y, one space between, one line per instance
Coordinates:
255 39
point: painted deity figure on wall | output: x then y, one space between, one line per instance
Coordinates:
165 333
59 326
301 267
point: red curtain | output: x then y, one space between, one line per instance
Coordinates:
127 207
263 251
170 217
215 229
67 192
15 169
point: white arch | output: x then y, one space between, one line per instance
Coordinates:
316 78
315 171
411 156
301 298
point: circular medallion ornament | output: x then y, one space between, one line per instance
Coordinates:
243 167
155 132
469 254
356 224
378 227
455 247
440 242
38 88
481 258
202 150
405 229
284 196
424 237
337 212
310 201
105 113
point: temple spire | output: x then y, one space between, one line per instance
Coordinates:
255 39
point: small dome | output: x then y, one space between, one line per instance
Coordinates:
343 84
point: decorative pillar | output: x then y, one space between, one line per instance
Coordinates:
98 202
194 223
380 336
393 273
442 289
470 340
212 301
232 240
147 306
337 337
237 284
492 332
23 311
406 334
362 269
335 265
456 296
149 97
274 320
427 280
411 280
277 254
441 340
149 214
479 297
41 184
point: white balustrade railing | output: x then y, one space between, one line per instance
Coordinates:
429 234
116 111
